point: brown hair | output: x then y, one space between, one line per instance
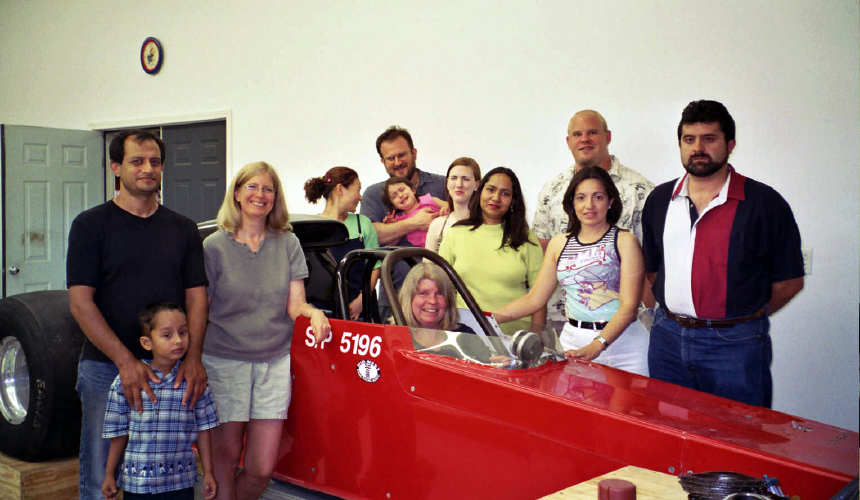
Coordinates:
321 187
146 318
463 161
386 200
391 134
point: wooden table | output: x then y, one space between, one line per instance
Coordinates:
650 485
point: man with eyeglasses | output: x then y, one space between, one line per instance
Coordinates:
397 154
123 255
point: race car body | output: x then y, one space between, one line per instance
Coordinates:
373 417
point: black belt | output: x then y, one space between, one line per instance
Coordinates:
690 322
587 324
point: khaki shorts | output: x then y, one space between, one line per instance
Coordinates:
244 390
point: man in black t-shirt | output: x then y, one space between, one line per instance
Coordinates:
123 255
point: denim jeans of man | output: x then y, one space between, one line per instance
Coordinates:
730 362
94 381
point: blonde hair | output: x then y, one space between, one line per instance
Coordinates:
587 112
230 213
426 270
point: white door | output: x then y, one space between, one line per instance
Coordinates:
49 177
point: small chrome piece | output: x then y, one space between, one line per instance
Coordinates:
14 381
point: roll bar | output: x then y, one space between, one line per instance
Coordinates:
389 257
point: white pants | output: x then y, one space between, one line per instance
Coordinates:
629 352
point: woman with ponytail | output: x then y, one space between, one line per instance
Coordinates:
341 189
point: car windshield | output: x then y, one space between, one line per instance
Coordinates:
521 350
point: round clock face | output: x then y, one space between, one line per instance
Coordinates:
151 55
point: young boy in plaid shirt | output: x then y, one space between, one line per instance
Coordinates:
153 448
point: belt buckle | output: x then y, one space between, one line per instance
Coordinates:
686 321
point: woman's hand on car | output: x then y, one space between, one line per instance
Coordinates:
320 326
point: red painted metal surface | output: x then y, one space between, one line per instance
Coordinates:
436 427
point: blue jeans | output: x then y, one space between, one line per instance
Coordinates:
730 362
94 381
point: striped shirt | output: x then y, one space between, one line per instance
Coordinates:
590 276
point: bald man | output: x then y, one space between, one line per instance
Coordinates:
588 139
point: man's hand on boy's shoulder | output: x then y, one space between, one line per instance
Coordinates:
192 371
135 376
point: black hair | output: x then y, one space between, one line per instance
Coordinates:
117 144
514 223
708 112
146 318
598 174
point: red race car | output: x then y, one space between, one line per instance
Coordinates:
373 417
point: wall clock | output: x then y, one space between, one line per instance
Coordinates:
151 55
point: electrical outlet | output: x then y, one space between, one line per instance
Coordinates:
807 261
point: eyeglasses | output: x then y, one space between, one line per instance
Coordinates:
399 156
256 189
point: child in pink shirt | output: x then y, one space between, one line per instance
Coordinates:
402 201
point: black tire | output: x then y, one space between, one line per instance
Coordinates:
51 341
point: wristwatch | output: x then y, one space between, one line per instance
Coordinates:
602 340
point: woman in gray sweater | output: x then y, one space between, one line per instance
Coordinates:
255 267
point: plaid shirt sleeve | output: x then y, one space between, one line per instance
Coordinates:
116 412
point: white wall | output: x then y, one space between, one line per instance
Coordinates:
311 86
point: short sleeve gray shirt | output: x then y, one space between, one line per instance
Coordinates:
248 318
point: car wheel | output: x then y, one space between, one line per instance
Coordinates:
40 343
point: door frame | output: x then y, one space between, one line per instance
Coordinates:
160 121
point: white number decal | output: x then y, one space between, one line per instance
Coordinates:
362 344
344 342
375 347
359 344
310 341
